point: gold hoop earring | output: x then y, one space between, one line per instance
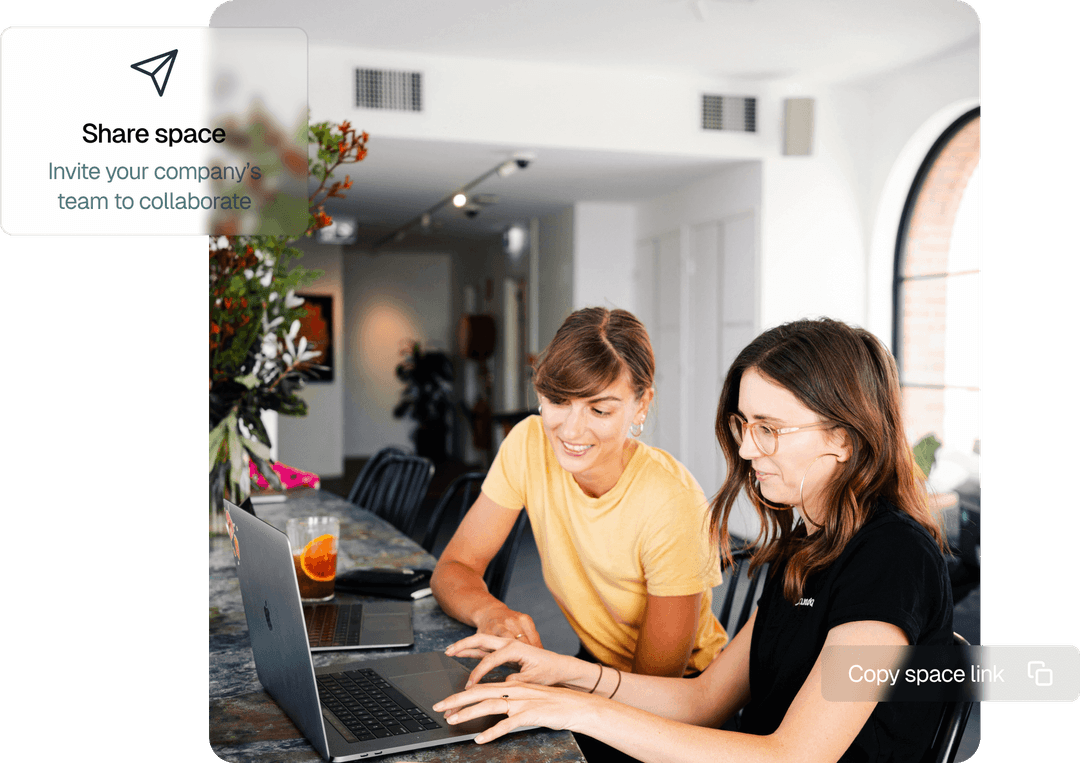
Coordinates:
755 495
802 482
640 428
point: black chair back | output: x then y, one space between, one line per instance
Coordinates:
735 598
395 489
950 730
456 500
452 507
497 575
370 466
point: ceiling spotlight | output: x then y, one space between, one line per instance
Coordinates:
519 160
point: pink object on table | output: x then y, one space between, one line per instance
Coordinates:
289 477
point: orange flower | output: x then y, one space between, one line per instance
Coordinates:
322 219
363 137
344 127
214 328
343 147
348 182
360 154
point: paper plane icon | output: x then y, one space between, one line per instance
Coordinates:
153 67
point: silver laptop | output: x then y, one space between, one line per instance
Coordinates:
348 711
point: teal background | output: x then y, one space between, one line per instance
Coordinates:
104 358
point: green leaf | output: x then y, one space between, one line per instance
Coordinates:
236 459
925 451
256 448
217 437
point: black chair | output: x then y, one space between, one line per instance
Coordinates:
950 730
395 488
497 575
369 467
734 599
457 499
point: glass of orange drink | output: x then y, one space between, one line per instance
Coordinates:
314 542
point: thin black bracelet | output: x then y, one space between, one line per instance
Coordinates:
617 684
597 680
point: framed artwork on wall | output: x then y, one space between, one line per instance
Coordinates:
318 327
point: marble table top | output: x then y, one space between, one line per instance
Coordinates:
246 725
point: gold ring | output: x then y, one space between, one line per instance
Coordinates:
520 635
506 698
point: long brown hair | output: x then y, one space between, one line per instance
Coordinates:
592 349
848 377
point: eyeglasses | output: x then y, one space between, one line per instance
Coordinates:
765 437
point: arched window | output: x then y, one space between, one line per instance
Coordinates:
935 326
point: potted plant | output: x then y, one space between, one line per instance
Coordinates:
427 398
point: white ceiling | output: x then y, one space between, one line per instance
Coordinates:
823 41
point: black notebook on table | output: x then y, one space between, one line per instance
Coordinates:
390 583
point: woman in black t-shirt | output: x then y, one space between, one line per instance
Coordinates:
810 424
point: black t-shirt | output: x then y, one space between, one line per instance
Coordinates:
891 571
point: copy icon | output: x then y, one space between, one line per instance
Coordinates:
1043 675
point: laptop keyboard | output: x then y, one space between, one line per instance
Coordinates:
363 705
333 624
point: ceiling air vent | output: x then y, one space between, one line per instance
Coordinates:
383 89
729 112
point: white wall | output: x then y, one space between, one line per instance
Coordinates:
316 442
813 255
695 288
389 299
556 272
604 240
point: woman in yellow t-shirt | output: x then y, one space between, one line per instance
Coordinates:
620 526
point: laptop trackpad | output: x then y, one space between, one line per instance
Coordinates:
428 688
391 628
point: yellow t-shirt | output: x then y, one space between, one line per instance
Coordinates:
601 556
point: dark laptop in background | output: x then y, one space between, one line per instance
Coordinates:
373 625
347 711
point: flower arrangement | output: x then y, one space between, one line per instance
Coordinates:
258 360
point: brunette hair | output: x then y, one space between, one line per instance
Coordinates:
591 350
848 377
